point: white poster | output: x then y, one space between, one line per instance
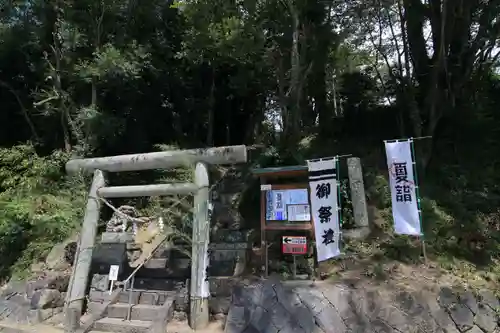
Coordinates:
324 207
402 182
298 197
298 213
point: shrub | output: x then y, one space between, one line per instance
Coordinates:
39 207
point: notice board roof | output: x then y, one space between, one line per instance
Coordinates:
283 171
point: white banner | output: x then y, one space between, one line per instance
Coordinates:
324 207
402 182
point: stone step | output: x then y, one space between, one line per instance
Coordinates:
149 297
117 237
155 263
145 283
100 289
144 312
142 297
122 326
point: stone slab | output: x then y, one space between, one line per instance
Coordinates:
120 326
156 263
117 237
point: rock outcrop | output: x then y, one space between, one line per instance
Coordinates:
270 307
34 301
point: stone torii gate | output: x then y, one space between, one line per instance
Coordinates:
148 161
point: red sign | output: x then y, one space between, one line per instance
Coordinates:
294 245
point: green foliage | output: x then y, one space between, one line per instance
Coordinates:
113 63
22 168
457 224
38 207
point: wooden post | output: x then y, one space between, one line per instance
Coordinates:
199 290
358 197
80 278
160 160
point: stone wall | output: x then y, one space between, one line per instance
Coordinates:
269 306
229 239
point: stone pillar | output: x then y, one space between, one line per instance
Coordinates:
199 288
80 276
358 197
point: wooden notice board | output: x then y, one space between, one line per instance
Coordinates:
282 181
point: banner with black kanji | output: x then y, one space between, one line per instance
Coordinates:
324 207
402 182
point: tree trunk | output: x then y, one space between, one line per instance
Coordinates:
211 104
294 112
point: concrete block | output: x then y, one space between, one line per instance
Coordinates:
125 295
137 312
95 307
99 296
150 298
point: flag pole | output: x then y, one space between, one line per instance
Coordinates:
417 138
339 200
339 195
417 193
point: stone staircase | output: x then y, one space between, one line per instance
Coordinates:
159 287
152 303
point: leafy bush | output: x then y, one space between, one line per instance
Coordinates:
38 206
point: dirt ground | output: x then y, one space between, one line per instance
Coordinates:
39 328
176 326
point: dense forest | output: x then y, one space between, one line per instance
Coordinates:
301 78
